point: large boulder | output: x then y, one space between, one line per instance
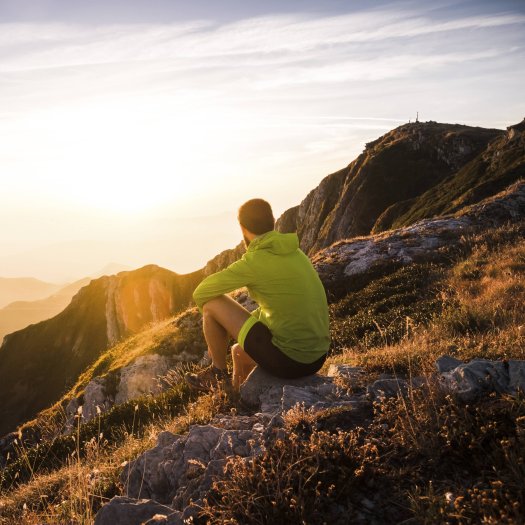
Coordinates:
469 381
181 468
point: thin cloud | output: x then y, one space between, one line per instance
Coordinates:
276 38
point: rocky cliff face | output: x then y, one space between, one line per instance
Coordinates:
353 262
501 163
42 360
398 166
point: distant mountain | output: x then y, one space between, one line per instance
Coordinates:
41 361
24 289
19 314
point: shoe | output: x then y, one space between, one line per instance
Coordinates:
207 379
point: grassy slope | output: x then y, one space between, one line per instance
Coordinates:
406 464
403 164
487 174
42 361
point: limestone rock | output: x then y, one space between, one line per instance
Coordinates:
447 363
345 371
95 396
387 388
360 259
181 468
126 511
260 382
516 376
142 377
176 518
142 477
470 380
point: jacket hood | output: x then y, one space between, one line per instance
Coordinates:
275 242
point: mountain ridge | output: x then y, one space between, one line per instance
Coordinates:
40 361
328 212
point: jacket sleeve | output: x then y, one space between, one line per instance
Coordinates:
235 276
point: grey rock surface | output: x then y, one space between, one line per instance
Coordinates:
180 468
471 380
425 241
260 382
142 376
347 372
175 518
177 473
447 363
516 376
383 388
127 511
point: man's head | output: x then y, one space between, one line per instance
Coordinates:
256 217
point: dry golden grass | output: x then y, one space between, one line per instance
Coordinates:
425 458
73 493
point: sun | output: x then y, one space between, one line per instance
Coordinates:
114 160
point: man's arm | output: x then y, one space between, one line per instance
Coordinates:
237 275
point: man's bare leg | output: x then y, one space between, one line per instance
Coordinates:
222 317
243 364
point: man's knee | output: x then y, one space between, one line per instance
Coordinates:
211 306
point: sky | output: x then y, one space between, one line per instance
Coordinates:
132 130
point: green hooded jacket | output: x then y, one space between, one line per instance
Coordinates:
282 280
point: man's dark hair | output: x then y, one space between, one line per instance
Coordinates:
256 216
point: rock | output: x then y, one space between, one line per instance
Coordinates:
127 511
347 372
95 396
175 518
468 381
516 376
359 260
181 468
260 382
143 478
447 363
387 388
142 377
293 395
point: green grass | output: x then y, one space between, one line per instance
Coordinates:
385 310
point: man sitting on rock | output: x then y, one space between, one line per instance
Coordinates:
288 334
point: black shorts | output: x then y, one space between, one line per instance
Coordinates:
258 345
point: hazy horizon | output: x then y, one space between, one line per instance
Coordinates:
131 133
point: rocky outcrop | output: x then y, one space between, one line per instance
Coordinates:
178 472
39 361
401 165
146 375
128 511
500 164
470 381
225 258
353 262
